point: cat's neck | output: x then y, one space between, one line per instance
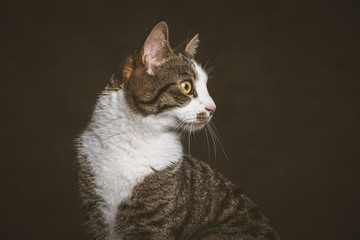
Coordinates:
123 147
116 135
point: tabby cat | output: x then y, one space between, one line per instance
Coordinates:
135 180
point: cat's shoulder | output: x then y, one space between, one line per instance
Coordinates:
203 168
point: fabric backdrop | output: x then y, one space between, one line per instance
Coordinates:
285 80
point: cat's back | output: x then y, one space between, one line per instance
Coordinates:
189 200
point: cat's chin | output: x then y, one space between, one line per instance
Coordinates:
197 126
191 127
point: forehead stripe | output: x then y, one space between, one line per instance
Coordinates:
166 107
156 105
158 94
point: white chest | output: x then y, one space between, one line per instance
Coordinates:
122 148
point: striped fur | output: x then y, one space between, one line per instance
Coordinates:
153 94
96 225
135 182
189 200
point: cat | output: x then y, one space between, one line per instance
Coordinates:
135 180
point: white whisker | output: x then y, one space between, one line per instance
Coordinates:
189 137
218 139
212 138
207 141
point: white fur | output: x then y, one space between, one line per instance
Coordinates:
199 104
122 147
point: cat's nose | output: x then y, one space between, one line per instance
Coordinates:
211 109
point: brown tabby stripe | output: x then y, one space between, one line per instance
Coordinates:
154 108
160 92
91 202
166 98
190 201
152 94
114 84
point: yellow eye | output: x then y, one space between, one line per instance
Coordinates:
185 86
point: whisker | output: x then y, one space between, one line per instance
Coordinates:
209 70
184 127
178 126
207 61
189 137
218 139
207 141
212 138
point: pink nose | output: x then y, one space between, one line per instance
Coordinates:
211 110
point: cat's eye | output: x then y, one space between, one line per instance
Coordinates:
186 86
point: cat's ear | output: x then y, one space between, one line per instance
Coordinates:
190 49
156 47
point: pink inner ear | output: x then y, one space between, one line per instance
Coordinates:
154 47
155 44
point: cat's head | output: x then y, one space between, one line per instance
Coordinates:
160 81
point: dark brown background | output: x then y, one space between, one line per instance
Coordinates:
285 81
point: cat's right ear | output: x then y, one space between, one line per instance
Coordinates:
156 47
191 47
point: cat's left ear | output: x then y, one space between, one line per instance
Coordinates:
156 47
190 49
